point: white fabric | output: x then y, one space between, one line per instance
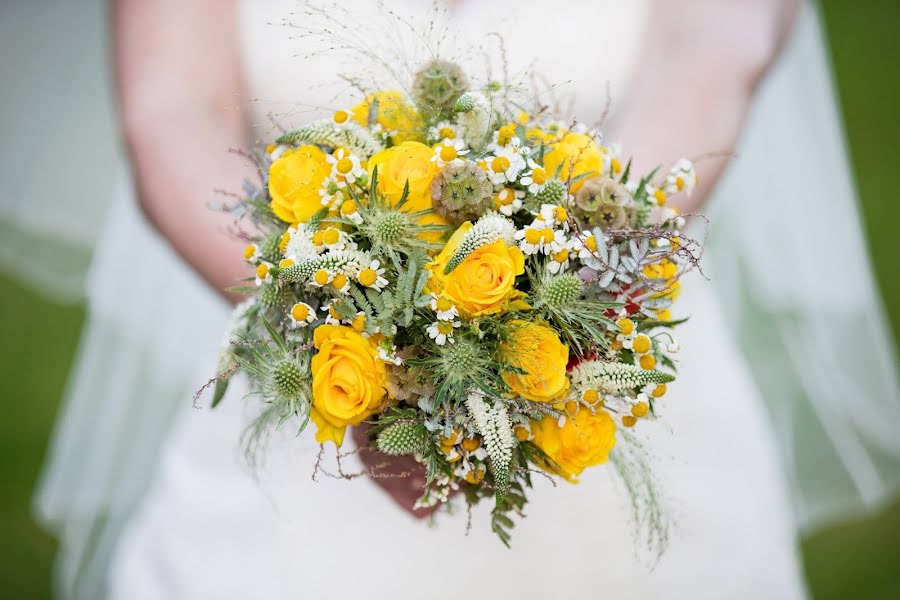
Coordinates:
792 268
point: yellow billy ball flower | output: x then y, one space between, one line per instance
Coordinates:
641 344
484 282
347 376
537 350
583 441
648 362
294 182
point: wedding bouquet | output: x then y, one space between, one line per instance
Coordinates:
488 287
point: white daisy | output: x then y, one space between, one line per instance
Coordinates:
509 201
535 238
560 253
443 131
262 272
251 253
345 166
507 163
442 331
443 308
448 152
536 178
372 276
302 314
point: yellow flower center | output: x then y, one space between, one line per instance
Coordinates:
368 277
348 207
591 243
591 396
339 281
359 323
648 362
331 236
262 271
560 256
319 238
523 117
660 197
629 420
506 196
341 116
547 235
560 213
249 251
532 236
444 304
321 277
344 166
475 477
521 433
659 391
284 263
539 176
447 153
640 409
300 312
445 327
499 164
626 326
616 165
283 242
470 444
505 134
641 344
446 133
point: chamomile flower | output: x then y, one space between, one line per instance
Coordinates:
350 211
321 278
444 131
681 178
535 238
341 117
331 193
586 244
251 253
331 316
442 331
372 276
536 178
332 238
552 215
560 253
345 166
341 283
507 163
443 308
509 201
448 151
262 272
302 314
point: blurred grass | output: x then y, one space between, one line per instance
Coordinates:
856 560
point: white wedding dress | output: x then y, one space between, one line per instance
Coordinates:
210 527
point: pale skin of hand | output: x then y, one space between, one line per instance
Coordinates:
182 105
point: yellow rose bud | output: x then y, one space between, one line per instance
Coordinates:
583 441
294 182
535 349
347 377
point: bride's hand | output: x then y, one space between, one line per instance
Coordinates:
400 476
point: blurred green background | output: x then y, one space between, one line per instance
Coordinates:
856 560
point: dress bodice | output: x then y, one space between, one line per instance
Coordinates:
575 45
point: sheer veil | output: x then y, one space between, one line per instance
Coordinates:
787 253
791 265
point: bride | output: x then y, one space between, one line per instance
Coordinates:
197 78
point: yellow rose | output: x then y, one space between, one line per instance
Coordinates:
294 182
584 441
347 381
409 162
536 349
483 283
394 114
575 154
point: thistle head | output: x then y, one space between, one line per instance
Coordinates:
287 378
553 192
560 291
